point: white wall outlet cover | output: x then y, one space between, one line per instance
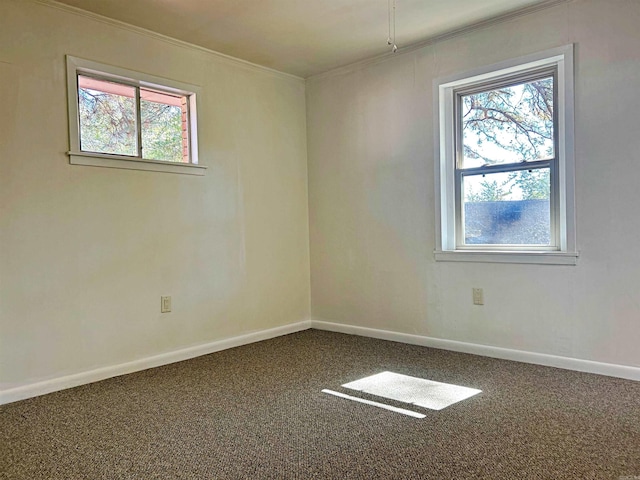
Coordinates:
478 296
165 304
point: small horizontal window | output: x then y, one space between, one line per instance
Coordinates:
124 119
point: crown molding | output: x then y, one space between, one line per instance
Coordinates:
228 59
439 38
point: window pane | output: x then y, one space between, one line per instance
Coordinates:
164 126
508 124
509 208
107 117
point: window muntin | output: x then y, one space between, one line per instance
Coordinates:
456 174
505 163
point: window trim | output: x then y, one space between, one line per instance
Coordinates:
78 66
565 252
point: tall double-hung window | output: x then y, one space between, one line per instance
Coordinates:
505 162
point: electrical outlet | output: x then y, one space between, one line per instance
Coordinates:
478 296
165 304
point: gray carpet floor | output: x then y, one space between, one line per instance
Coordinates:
257 412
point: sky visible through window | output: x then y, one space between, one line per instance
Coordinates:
508 125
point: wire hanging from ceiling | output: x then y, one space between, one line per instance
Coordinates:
391 37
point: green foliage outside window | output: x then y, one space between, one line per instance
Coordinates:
108 125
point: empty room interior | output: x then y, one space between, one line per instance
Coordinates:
308 239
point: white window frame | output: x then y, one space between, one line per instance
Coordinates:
564 251
78 66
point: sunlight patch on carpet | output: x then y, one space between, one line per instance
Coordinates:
417 391
375 404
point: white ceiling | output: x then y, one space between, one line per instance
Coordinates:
301 37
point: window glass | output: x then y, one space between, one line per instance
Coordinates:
501 127
164 120
509 124
107 112
507 208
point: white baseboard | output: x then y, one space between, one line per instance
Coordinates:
609 369
53 385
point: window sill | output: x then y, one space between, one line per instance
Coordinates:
128 163
538 258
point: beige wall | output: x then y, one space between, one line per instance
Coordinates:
371 196
86 252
